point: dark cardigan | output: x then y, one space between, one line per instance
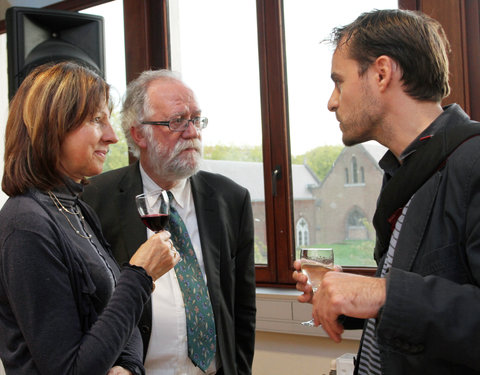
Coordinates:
50 319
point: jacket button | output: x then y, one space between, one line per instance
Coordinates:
144 329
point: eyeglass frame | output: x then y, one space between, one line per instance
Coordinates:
201 120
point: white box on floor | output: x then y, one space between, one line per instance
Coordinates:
345 364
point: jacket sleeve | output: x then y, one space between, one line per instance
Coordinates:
132 354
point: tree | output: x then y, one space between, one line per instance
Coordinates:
320 159
234 153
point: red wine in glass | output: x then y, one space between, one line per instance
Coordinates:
155 222
154 208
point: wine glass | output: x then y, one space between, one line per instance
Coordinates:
154 209
314 263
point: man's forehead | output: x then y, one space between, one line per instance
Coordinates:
170 93
342 57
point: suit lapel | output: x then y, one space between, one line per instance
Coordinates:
208 218
133 231
415 224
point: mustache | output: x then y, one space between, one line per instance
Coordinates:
186 144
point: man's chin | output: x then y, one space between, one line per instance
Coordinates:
188 166
352 141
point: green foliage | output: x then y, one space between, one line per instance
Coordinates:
260 250
118 153
320 159
234 153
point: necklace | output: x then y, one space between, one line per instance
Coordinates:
75 212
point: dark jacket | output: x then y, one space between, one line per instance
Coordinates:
430 322
225 222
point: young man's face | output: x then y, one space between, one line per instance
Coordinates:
354 99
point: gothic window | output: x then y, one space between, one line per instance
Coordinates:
354 170
302 233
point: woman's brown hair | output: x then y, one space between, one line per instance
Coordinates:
52 101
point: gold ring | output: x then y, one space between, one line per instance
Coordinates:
171 245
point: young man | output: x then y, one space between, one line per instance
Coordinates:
421 311
163 124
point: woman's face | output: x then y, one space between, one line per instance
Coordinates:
84 149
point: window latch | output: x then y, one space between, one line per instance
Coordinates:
276 175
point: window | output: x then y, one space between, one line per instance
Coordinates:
112 13
356 229
285 74
302 233
354 170
222 69
344 220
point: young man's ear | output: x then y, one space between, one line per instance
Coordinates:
386 70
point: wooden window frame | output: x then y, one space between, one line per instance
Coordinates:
147 47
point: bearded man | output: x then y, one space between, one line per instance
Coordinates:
163 125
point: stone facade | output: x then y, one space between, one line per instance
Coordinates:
339 208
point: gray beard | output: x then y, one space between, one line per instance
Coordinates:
172 166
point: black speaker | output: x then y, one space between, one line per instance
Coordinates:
36 36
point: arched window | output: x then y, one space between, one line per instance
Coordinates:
362 175
354 170
302 233
356 229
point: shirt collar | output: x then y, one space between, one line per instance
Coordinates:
180 191
389 162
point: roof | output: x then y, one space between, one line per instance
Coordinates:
376 150
250 176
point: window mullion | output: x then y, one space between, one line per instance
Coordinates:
275 144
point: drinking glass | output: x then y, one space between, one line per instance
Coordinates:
314 263
154 209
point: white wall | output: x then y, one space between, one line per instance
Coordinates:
284 354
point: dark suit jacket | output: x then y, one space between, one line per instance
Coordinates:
430 322
225 222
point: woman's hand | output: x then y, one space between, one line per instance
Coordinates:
156 255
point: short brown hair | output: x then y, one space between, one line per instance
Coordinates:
52 101
414 40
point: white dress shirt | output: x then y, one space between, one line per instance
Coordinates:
167 349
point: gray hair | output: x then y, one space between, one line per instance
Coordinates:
136 105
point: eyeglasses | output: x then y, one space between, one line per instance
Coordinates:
180 124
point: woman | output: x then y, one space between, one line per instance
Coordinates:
65 305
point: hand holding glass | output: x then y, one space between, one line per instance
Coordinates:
314 263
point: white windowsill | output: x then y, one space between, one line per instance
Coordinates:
279 311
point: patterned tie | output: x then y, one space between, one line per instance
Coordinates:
198 308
